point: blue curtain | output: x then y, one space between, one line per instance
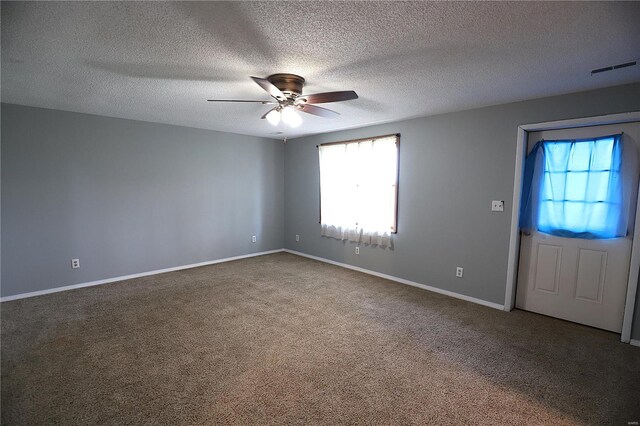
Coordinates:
579 188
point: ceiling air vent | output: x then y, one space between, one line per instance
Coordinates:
613 67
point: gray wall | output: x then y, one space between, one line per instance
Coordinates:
451 167
127 197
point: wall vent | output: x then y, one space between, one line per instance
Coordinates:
613 67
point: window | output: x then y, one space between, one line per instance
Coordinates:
358 189
580 188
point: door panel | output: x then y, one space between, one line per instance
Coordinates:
548 261
591 273
584 281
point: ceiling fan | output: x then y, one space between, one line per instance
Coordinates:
286 91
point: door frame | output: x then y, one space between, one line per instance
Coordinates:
514 238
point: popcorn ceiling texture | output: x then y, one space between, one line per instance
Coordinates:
160 61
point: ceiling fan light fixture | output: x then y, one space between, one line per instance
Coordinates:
286 93
291 117
273 117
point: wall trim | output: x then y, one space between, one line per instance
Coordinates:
128 277
632 283
401 280
634 342
514 234
229 259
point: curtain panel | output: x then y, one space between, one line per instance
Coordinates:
580 188
358 190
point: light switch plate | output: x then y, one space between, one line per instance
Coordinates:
497 206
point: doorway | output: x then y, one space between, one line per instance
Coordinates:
580 278
585 262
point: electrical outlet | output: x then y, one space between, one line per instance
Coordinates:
254 239
459 272
357 250
75 263
297 238
497 206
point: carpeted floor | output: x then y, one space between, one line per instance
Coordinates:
286 340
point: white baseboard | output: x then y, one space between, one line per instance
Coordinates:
402 281
634 342
128 277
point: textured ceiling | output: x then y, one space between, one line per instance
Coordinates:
160 61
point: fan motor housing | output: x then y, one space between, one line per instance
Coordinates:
289 84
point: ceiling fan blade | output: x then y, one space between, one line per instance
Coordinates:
240 100
270 88
326 97
267 113
319 111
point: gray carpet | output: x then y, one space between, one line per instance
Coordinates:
282 339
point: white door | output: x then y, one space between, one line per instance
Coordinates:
579 280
